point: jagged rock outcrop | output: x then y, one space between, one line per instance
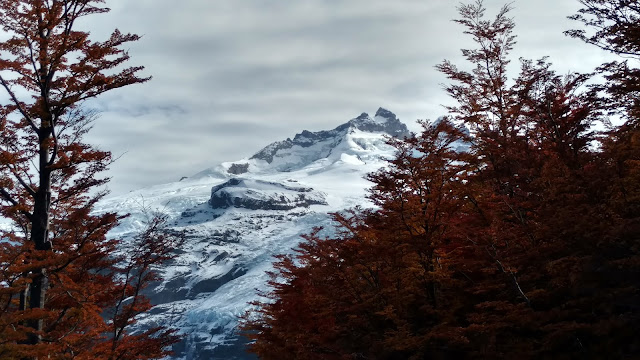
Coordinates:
238 168
263 195
384 121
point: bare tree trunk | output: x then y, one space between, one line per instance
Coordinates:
40 232
24 295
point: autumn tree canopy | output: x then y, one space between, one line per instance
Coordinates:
614 26
64 290
517 239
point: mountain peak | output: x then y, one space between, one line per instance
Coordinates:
237 215
384 113
383 122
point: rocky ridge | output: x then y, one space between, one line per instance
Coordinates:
384 121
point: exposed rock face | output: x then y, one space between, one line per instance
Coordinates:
238 168
212 284
263 195
384 121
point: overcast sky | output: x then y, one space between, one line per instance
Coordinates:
231 76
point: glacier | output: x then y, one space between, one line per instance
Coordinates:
238 215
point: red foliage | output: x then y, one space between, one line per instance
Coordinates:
525 246
65 292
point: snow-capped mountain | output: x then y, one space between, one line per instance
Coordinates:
237 215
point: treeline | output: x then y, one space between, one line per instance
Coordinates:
525 245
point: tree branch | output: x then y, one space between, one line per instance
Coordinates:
17 103
5 194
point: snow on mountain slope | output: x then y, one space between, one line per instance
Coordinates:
238 215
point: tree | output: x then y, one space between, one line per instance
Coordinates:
525 245
59 273
542 210
614 26
530 149
381 287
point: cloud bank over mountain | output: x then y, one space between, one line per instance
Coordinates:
230 75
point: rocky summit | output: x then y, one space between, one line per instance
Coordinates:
325 141
263 195
238 215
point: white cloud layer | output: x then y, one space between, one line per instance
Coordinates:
231 76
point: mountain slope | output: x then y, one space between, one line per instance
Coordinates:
238 215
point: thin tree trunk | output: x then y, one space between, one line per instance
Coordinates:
40 233
24 294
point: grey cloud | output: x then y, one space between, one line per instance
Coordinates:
231 76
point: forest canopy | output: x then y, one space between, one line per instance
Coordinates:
508 229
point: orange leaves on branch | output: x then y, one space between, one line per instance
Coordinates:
378 289
65 291
519 239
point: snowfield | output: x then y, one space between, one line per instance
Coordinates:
238 215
